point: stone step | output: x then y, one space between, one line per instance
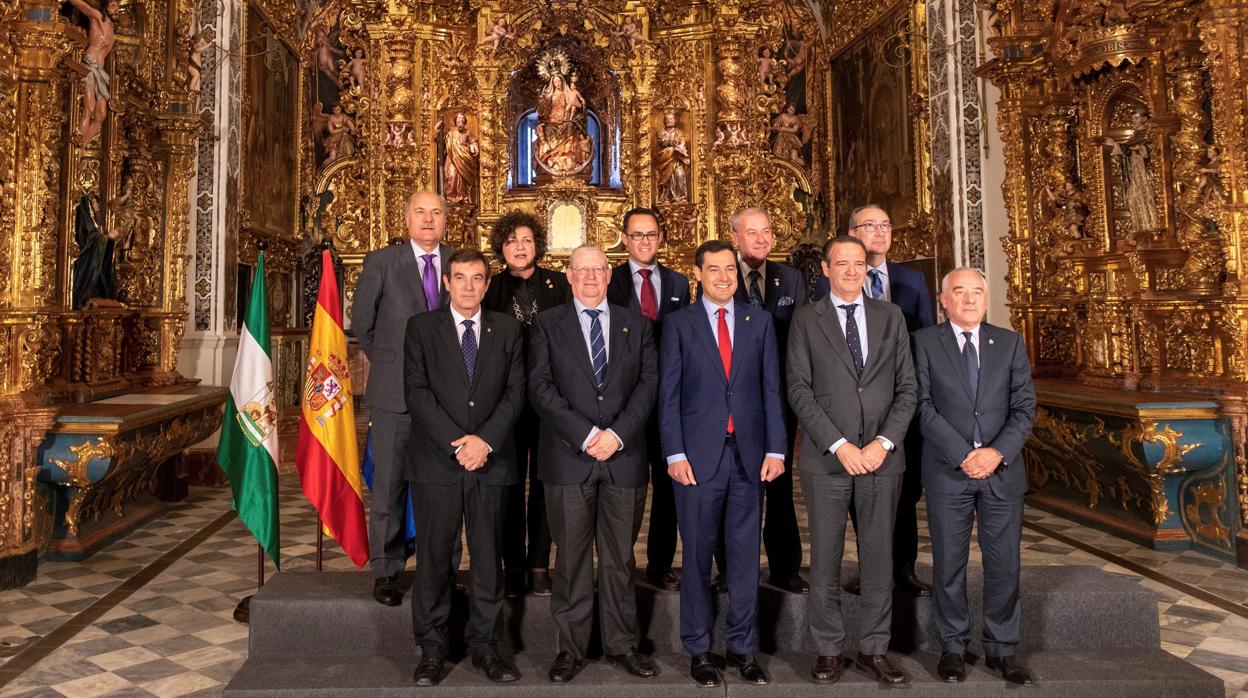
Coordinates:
1104 673
333 614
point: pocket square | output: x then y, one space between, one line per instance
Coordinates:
784 300
675 299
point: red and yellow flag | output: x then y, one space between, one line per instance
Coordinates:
328 457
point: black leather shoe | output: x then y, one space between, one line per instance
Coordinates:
853 586
827 669
540 580
913 586
635 664
386 590
704 671
667 580
751 672
883 670
1011 669
719 583
951 668
793 585
495 668
565 668
428 672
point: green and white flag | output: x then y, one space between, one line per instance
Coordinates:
248 448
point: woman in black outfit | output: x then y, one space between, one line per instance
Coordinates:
524 289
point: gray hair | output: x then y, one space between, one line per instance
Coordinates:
736 217
944 281
849 223
408 206
585 248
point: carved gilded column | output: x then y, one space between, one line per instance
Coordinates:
176 158
1196 231
733 161
643 69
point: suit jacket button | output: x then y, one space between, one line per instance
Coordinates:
977 414
860 390
471 403
599 398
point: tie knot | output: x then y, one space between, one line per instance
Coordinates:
723 313
592 313
645 274
849 308
467 324
753 275
967 335
428 258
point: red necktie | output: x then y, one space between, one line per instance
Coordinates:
649 304
725 352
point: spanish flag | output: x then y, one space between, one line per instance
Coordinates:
328 457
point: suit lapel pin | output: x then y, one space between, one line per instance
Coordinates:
747 318
489 329
775 281
549 283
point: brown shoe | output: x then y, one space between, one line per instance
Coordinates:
827 669
882 669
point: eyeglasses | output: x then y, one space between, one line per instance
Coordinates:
588 271
885 226
651 236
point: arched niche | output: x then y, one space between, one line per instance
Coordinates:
563 116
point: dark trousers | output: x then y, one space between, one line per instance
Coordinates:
530 518
781 538
828 497
661 536
701 510
949 517
440 509
906 527
595 514
386 534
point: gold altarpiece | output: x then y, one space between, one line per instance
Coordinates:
1126 148
743 83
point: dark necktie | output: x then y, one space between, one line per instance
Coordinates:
877 284
469 344
725 354
755 291
597 347
649 304
852 338
970 358
429 279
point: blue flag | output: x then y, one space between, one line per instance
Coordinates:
409 520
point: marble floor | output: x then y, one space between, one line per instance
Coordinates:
152 613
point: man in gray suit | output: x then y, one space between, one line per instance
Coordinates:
851 385
396 283
976 408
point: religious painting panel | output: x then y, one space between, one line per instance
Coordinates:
874 146
271 130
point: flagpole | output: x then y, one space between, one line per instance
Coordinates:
242 612
320 541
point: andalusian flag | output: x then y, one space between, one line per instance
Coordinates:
247 451
329 458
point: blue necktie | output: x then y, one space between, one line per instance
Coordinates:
877 284
755 293
970 358
469 344
852 338
597 348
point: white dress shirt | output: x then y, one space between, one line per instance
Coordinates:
437 261
712 315
604 319
860 319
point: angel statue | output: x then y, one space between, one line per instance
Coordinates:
629 32
357 69
1212 195
195 58
499 32
790 136
1134 158
339 135
1070 208
563 145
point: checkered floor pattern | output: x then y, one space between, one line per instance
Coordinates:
175 635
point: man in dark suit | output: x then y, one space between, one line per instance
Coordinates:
593 374
780 290
463 374
976 409
721 416
851 384
397 282
649 288
907 289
